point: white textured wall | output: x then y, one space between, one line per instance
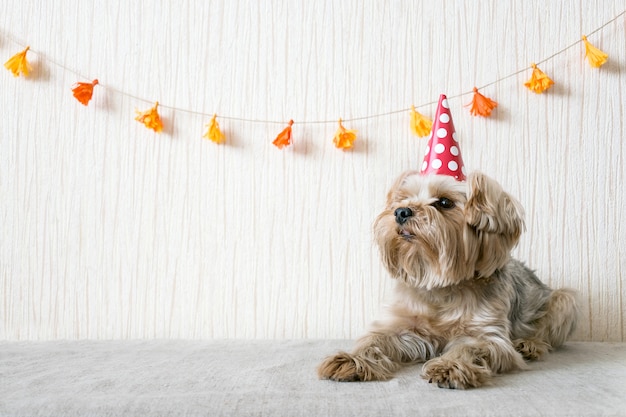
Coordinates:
111 231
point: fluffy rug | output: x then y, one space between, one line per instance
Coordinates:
277 378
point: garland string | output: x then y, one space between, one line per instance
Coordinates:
480 104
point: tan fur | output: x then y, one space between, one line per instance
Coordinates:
461 303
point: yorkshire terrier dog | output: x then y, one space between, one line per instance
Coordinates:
461 304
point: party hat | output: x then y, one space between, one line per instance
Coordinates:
443 155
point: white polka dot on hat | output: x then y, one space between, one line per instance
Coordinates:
443 155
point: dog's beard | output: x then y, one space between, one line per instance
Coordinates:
428 250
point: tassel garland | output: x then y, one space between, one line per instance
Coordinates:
214 133
539 81
150 118
481 105
595 56
18 64
420 124
344 138
284 138
84 91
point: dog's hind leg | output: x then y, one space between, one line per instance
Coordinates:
531 348
553 327
560 319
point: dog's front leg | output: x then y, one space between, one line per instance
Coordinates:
469 362
377 356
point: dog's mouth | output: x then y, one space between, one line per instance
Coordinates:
405 234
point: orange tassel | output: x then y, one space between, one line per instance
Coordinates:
344 139
19 64
539 81
84 91
284 138
595 56
150 118
481 105
420 124
214 133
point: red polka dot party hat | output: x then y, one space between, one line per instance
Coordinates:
443 155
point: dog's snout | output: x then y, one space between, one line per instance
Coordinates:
402 214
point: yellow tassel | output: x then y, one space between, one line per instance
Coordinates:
539 81
150 118
344 138
420 124
19 64
214 133
595 56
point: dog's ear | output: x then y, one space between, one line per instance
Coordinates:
393 191
490 209
495 222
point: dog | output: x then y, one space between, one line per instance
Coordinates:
461 303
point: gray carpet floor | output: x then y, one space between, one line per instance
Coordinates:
277 378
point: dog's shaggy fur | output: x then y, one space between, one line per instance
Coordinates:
461 303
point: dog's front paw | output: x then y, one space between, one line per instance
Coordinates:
447 373
342 367
345 367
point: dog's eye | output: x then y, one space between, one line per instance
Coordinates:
443 203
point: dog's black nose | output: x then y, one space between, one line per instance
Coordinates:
402 214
